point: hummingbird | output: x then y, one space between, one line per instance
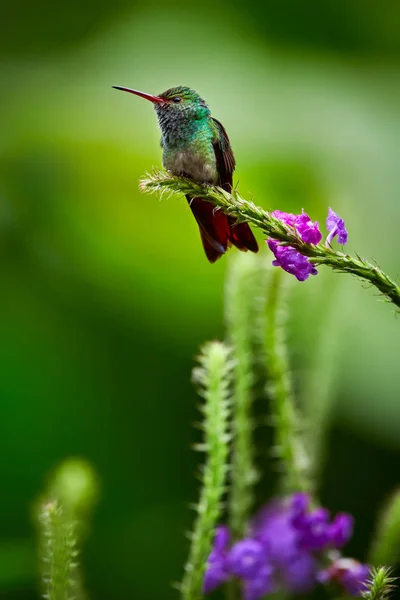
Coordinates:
196 146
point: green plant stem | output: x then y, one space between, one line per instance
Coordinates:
245 211
385 548
288 446
58 553
214 378
380 584
62 517
245 319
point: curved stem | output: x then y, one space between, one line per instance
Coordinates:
245 211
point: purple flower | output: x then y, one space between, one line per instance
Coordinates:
285 217
272 527
349 573
336 227
291 261
308 231
295 568
341 530
261 585
222 538
217 566
317 533
247 558
286 257
355 578
314 530
287 545
300 573
299 504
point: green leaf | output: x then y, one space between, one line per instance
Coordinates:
385 548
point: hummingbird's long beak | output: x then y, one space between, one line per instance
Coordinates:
154 99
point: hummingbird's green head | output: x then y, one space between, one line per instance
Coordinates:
176 105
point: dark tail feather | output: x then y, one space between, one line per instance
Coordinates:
242 236
211 253
218 231
214 227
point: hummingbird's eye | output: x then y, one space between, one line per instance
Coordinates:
176 99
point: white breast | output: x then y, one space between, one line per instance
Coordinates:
192 165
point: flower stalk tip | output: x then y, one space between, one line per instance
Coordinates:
379 584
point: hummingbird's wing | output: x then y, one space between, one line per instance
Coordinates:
240 233
214 225
224 156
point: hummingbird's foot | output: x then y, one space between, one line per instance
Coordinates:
206 183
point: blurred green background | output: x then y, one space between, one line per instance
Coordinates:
106 294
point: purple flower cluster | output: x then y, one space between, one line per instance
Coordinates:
291 261
288 547
288 258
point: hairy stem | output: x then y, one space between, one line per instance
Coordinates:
62 519
58 553
380 584
248 212
213 377
245 318
288 447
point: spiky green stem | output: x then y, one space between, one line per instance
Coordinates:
213 377
245 318
58 544
248 212
62 519
288 447
379 585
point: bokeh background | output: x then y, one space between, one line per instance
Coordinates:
106 294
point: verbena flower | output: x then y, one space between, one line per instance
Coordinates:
286 257
291 261
217 565
285 217
313 530
341 530
336 227
274 528
246 558
353 578
261 585
287 548
348 573
308 231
